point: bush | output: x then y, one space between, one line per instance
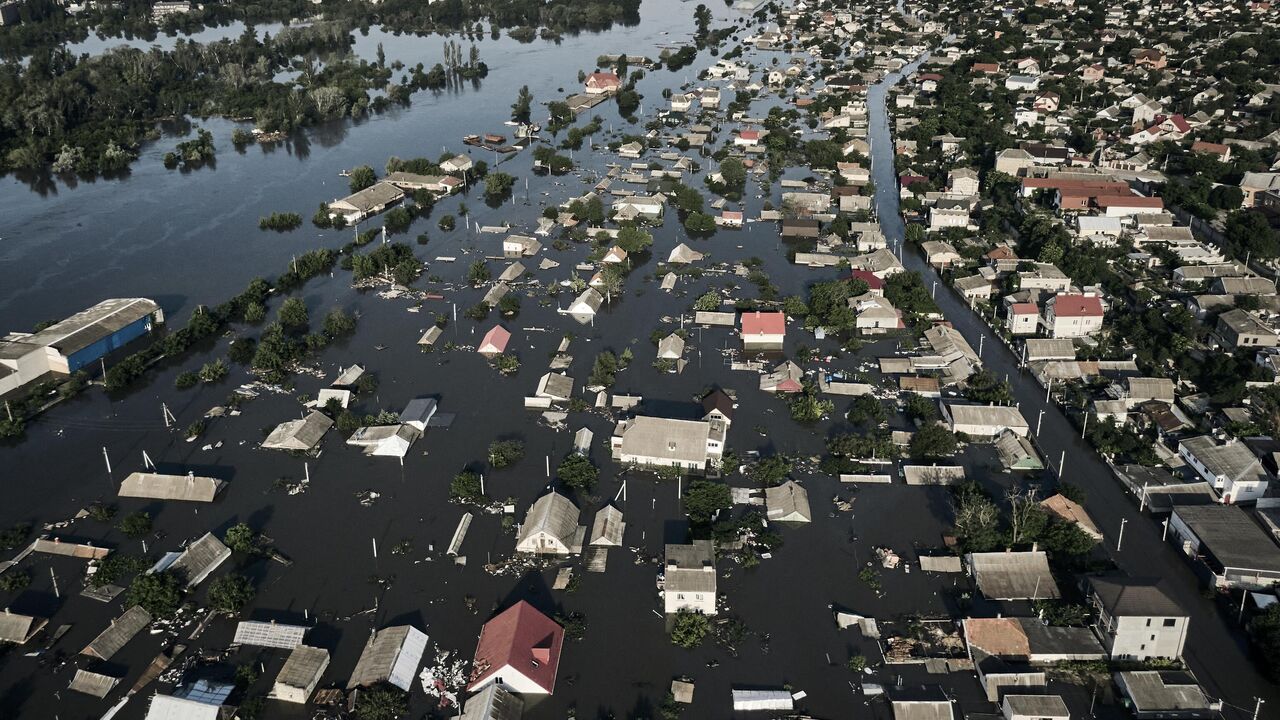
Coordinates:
505 453
230 593
465 488
704 499
135 525
280 222
186 380
382 702
15 580
932 441
241 538
159 593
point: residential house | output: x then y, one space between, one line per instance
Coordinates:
494 342
1230 548
687 445
551 527
763 330
984 421
518 650
1239 329
788 502
689 578
1137 619
391 655
599 83
1230 468
1069 315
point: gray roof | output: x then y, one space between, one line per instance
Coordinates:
493 703
1135 596
665 438
608 527
788 502
89 326
987 416
303 667
157 486
1233 460
92 683
1231 536
419 410
691 568
374 196
381 656
927 702
1013 575
1154 691
553 514
1037 706
270 634
200 558
118 634
301 434
17 628
1050 349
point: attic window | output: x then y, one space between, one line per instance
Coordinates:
671 445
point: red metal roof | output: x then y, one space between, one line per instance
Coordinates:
603 79
1134 201
868 277
1026 308
498 337
523 639
764 323
1065 305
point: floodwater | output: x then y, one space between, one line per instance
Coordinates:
188 238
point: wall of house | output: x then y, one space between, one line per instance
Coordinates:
1140 638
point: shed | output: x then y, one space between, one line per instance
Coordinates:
582 441
608 527
300 675
118 633
391 655
762 700
92 683
269 634
493 702
300 435
1013 575
157 486
585 306
719 319
556 386
418 413
430 337
933 474
788 502
348 377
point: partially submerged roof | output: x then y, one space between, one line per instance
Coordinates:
92 683
17 628
608 527
553 514
118 634
391 655
494 702
302 666
270 634
300 435
1013 575
788 502
89 326
200 558
157 486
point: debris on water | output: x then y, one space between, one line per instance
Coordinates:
367 497
444 678
888 558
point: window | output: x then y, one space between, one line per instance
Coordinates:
1170 622
1148 622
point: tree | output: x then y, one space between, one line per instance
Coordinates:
1226 197
704 499
135 525
985 388
699 223
241 538
807 407
1027 517
708 301
577 472
689 629
520 109
604 370
478 273
230 593
381 702
866 409
1264 631
633 239
498 184
919 407
771 471
361 178
505 453
159 593
293 315
932 441
977 522
337 323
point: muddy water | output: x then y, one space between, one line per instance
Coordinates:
188 238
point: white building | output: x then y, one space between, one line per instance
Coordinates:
1231 468
551 527
689 578
665 442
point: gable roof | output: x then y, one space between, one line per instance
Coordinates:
523 639
764 323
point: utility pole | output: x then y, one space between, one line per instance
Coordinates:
106 458
1085 425
1039 420
1119 540
1165 535
1257 708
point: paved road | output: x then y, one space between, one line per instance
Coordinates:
1217 651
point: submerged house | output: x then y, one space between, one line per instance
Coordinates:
494 342
763 330
299 435
300 675
687 445
551 527
518 650
788 502
369 201
157 486
689 578
391 655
